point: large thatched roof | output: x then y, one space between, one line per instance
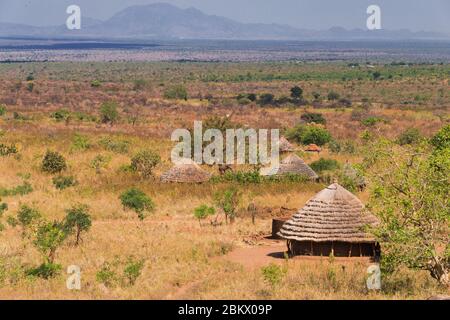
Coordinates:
186 171
292 164
334 214
285 145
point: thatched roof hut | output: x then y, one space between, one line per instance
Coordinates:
333 221
292 164
187 171
285 145
313 148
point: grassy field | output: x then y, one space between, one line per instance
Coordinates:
178 257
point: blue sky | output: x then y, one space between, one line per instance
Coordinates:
430 15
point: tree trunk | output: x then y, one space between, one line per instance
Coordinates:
439 270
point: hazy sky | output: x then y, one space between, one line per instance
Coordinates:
430 15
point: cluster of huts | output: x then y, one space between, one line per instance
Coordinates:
333 222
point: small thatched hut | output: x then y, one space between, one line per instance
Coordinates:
285 145
332 221
187 171
292 164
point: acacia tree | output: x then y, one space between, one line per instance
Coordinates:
409 193
77 221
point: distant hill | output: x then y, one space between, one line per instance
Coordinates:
165 21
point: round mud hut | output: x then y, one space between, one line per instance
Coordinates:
292 164
332 222
186 171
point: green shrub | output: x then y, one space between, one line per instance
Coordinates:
80 143
441 140
133 270
371 121
409 136
21 190
332 95
266 98
137 200
176 92
109 113
26 216
139 84
49 236
203 211
117 146
77 221
228 201
106 275
63 182
242 177
311 117
53 162
6 150
95 83
296 92
60 115
100 162
324 164
144 162
2 110
46 270
273 274
307 134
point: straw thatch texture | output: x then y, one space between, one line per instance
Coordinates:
285 145
292 164
313 148
186 172
334 214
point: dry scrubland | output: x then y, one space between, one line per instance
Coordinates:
181 258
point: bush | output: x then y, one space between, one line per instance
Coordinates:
243 177
26 216
2 110
100 162
6 150
228 202
60 115
441 140
63 182
106 275
371 121
176 92
332 95
266 98
46 270
77 221
203 211
108 112
80 143
135 199
273 274
311 117
96 83
139 84
53 162
133 270
23 189
409 136
308 134
324 164
296 92
117 146
144 162
49 236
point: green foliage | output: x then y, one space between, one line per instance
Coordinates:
138 201
106 275
203 211
133 270
80 143
324 165
144 162
49 236
311 117
109 113
273 274
117 146
27 216
2 110
296 92
176 92
21 190
332 95
46 270
307 134
60 115
266 98
371 121
77 221
409 193
6 150
30 77
64 182
409 136
53 162
441 140
95 83
228 201
242 177
140 84
100 162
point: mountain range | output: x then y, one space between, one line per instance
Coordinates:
165 21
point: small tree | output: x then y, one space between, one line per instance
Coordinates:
203 211
409 194
137 200
307 134
77 221
228 201
332 95
266 98
176 92
49 236
296 92
311 117
144 162
53 162
409 136
109 113
26 217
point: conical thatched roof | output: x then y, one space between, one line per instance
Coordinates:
292 164
334 214
285 145
186 171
